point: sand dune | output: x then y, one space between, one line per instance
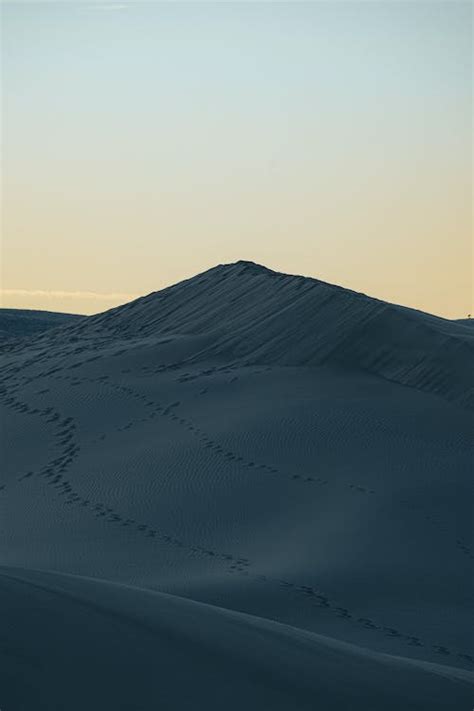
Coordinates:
249 312
17 323
249 489
128 648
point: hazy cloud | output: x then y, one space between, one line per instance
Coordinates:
68 294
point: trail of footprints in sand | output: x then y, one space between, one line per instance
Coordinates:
229 369
204 438
206 441
45 356
214 446
55 470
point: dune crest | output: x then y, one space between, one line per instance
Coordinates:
246 312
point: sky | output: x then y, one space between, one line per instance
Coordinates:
144 142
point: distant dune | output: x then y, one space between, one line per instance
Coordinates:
248 312
16 323
248 490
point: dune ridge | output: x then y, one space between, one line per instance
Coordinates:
250 313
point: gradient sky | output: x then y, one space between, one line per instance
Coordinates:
145 142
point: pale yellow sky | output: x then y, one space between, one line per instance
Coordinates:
145 142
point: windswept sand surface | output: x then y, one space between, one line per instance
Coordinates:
249 490
16 323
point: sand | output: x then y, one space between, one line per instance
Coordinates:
247 490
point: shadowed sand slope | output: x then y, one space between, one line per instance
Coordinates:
248 312
247 490
118 647
17 323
